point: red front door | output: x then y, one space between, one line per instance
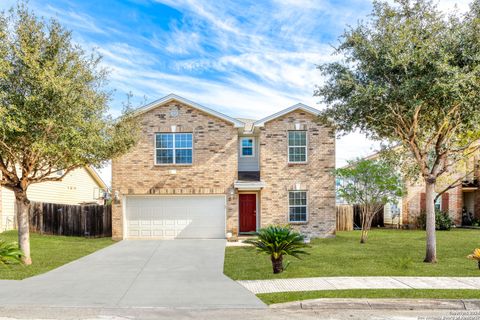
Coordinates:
248 212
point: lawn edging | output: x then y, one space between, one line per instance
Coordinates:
368 298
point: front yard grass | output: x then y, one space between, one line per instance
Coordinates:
50 252
387 253
281 297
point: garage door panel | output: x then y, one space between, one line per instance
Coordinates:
168 217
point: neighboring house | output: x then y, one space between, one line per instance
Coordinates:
80 186
197 173
459 201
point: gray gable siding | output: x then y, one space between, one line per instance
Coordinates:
248 163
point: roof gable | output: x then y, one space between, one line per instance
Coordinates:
96 177
298 106
174 97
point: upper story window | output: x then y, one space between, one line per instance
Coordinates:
297 206
247 147
297 146
173 148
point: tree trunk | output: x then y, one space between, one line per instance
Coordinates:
431 254
277 264
23 206
478 264
366 223
363 238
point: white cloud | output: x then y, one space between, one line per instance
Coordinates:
262 55
77 20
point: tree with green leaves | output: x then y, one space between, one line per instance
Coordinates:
53 109
410 76
371 184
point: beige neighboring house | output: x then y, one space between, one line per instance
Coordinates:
198 173
80 186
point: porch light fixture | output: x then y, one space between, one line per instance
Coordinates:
174 128
298 186
116 196
298 126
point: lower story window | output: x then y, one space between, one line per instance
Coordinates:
438 204
297 206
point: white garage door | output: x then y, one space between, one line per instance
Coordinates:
175 217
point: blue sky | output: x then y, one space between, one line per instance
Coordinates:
242 58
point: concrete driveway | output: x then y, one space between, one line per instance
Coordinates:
177 273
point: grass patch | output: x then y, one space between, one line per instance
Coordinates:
280 297
50 252
387 253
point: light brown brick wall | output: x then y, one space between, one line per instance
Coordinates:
214 166
315 176
412 200
477 193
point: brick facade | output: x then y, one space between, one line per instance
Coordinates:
213 171
315 176
413 204
215 167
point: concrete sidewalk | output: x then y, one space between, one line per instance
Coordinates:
341 283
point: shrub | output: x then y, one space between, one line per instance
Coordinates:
476 222
443 221
9 253
278 241
404 263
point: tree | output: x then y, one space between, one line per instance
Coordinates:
53 109
410 76
278 241
371 184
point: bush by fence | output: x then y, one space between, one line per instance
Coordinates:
71 220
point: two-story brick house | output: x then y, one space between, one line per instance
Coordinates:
197 173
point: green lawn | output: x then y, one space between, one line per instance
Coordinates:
50 252
387 253
281 297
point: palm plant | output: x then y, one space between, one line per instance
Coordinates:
9 253
278 241
475 256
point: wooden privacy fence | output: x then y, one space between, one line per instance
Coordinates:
71 220
344 218
377 221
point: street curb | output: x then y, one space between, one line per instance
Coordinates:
382 304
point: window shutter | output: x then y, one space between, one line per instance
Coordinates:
445 202
423 202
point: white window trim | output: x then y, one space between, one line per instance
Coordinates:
241 147
306 206
174 148
440 202
306 147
